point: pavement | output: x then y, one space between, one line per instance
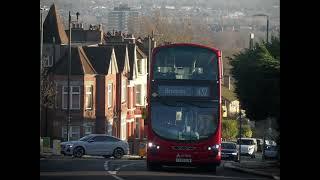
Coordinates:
269 169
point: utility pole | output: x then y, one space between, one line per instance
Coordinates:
69 90
41 44
240 133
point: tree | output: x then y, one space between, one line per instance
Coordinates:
230 129
257 79
47 97
246 131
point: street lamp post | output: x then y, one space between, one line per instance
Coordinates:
69 72
264 15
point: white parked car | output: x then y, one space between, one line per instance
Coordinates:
248 146
96 144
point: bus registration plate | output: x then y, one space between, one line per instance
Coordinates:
183 158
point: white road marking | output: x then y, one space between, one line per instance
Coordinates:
106 165
117 177
113 173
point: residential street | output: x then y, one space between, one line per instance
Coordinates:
99 168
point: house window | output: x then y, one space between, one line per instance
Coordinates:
137 131
109 95
56 97
124 90
109 129
140 66
89 97
74 97
123 127
145 133
138 94
47 61
87 130
74 132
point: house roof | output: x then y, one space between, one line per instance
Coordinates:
80 64
228 94
140 54
120 52
82 35
53 27
131 50
99 57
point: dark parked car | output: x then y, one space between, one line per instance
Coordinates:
271 152
229 151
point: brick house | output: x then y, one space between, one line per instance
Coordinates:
105 63
108 85
137 87
82 93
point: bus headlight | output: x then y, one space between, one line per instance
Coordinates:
150 144
214 147
153 146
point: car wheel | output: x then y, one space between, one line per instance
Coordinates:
78 152
118 153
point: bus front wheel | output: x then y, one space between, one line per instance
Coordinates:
212 168
152 166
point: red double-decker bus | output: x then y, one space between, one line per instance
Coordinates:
184 106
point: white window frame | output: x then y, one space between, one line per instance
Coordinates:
89 93
47 61
73 135
138 91
123 90
85 130
72 93
123 132
139 64
110 95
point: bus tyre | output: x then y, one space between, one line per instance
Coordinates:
212 168
152 166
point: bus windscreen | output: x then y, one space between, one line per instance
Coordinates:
186 63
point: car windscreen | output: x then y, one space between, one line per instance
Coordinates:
246 142
228 146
